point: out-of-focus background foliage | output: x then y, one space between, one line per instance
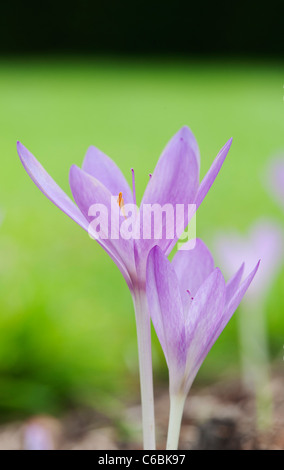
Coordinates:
125 79
67 330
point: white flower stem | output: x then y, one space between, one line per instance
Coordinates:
255 360
176 412
145 368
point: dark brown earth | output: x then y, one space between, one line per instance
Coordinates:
220 417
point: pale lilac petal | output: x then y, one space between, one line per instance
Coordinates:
232 306
56 195
174 181
99 165
87 191
175 178
233 283
166 309
204 315
204 186
192 267
210 176
49 188
264 241
218 325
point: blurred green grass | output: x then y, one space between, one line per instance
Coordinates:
67 331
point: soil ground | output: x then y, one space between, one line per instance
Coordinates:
220 417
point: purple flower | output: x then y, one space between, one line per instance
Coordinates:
175 181
190 305
264 241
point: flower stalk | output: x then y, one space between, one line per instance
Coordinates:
176 411
145 369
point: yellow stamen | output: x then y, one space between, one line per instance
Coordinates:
121 203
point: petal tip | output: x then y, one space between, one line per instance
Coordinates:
73 173
154 254
74 168
228 144
218 272
24 155
20 148
242 268
230 141
254 271
184 133
156 250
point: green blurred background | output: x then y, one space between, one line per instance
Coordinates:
67 329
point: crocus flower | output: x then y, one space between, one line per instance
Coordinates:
274 178
175 181
264 241
190 305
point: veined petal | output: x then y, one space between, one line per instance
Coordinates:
204 314
99 165
56 195
204 187
175 178
48 186
88 191
233 304
225 316
210 176
174 181
233 283
192 267
166 309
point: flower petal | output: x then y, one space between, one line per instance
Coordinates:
224 317
233 304
99 165
174 181
56 195
87 191
210 176
175 178
233 283
192 267
166 309
48 186
204 314
205 185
